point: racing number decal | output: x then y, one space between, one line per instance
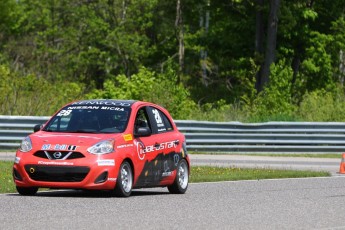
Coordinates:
63 113
157 116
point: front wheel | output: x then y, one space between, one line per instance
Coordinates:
27 191
180 184
124 181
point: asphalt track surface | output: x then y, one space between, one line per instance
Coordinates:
312 203
309 203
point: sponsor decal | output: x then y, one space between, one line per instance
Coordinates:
166 145
112 108
45 147
113 103
72 147
124 146
112 179
166 174
95 107
83 107
142 150
54 163
128 137
106 162
58 147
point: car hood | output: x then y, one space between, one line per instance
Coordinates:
67 141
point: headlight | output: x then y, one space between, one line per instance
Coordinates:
26 145
102 147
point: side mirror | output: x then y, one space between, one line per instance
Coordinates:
143 132
37 128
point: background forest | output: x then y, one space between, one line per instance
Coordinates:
222 60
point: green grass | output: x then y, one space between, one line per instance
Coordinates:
211 174
6 181
198 174
310 155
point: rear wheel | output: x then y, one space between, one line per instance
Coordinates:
27 191
180 184
124 181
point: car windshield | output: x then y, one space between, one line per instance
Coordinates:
89 119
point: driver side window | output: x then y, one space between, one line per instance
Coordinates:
141 120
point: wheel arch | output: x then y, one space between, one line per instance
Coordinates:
129 160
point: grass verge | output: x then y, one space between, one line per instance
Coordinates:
310 155
198 174
211 174
6 181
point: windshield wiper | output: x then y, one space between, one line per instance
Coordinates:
82 131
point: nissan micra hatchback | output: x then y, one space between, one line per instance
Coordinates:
104 145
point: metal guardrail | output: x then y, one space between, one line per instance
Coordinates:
14 128
277 137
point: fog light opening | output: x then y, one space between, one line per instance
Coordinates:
16 175
102 178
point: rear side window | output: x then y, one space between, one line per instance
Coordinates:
160 120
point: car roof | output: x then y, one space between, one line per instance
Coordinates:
106 102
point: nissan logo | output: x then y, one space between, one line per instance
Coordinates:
57 155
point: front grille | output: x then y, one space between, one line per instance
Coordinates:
58 155
57 173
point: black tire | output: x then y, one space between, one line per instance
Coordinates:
180 184
27 191
124 183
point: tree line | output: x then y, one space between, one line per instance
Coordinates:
248 60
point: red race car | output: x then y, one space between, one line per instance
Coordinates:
114 145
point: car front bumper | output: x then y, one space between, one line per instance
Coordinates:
92 172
